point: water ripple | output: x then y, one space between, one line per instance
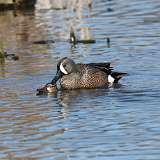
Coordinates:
118 123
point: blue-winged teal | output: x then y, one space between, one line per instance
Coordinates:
92 75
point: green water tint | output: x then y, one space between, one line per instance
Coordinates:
4 54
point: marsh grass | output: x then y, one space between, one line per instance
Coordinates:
4 55
2 52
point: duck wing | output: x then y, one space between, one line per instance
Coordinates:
102 66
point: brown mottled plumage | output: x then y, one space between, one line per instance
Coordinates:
86 77
92 75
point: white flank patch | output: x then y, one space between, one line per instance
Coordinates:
62 69
110 79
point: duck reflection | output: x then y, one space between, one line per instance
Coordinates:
67 98
70 97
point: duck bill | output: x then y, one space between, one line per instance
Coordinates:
58 75
41 91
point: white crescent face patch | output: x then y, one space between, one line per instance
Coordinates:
62 69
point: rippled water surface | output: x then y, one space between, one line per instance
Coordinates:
117 123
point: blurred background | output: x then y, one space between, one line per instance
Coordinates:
116 123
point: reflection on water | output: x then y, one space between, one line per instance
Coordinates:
121 122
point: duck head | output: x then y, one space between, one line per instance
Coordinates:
65 66
48 88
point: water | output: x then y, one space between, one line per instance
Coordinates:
116 123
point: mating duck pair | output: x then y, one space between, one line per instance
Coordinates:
82 76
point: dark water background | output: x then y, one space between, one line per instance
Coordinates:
116 123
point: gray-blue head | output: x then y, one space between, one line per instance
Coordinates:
64 67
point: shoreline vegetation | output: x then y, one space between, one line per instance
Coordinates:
16 4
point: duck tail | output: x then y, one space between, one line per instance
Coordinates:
114 77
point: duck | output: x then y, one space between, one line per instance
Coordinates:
48 88
73 75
